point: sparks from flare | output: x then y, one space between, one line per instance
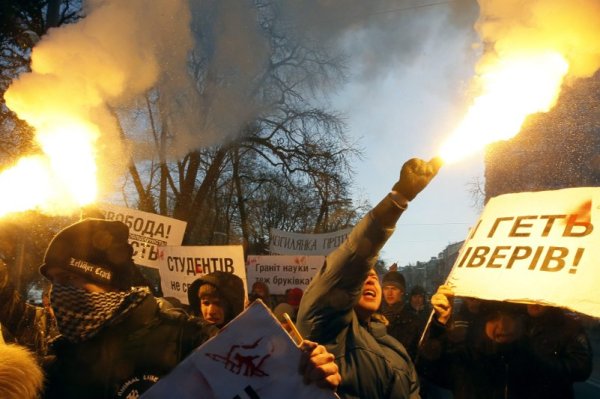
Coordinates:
512 89
58 181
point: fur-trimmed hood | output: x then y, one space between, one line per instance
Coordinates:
230 288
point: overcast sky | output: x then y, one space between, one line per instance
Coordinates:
407 113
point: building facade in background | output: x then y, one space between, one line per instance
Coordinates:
431 274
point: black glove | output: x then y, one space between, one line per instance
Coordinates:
415 176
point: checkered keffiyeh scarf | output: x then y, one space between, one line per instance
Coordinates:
81 314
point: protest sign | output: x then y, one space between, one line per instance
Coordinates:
283 272
285 243
147 231
251 357
537 247
180 266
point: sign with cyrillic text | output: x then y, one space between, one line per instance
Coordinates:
147 231
252 357
540 247
180 266
285 243
282 272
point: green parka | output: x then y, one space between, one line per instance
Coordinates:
372 364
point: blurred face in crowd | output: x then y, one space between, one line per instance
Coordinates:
259 291
417 301
60 276
473 304
392 294
504 328
212 309
370 297
536 310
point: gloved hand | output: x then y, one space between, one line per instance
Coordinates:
415 176
442 302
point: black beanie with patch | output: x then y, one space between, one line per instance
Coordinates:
95 249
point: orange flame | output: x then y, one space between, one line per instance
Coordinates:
60 180
80 73
512 89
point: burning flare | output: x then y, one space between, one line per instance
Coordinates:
80 73
60 180
512 89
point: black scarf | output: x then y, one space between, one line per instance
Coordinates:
80 314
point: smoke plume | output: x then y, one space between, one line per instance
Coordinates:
570 27
118 51
205 56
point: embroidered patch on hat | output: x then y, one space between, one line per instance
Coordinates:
94 271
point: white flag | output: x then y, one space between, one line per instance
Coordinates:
252 357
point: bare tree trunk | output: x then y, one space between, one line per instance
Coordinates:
164 173
146 201
241 203
188 209
187 183
322 217
145 196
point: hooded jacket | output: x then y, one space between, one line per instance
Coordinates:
229 286
372 364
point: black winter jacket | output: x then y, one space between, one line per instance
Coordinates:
406 325
372 364
477 368
561 352
126 358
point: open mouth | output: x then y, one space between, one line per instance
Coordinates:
369 293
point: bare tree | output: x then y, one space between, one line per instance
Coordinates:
476 189
24 237
285 149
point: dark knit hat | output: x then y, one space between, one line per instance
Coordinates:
95 249
417 290
394 278
493 308
229 287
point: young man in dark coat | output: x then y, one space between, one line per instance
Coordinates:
339 308
406 320
393 287
115 339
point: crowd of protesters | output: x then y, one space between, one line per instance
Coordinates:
103 334
107 335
